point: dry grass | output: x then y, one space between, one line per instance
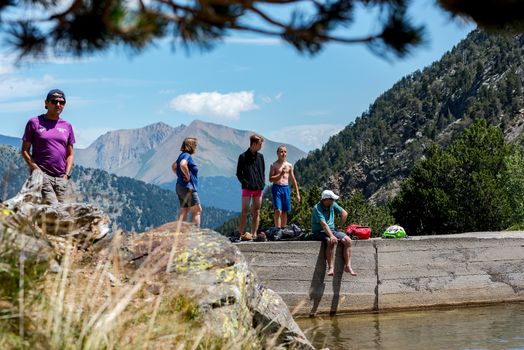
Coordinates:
92 302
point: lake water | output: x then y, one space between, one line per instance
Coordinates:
473 328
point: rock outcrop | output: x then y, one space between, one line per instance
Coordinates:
208 267
84 222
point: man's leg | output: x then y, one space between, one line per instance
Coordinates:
255 210
347 255
278 217
277 204
286 205
48 193
283 219
60 188
243 215
330 249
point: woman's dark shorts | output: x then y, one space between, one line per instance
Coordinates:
187 197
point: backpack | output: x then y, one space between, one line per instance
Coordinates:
355 231
394 231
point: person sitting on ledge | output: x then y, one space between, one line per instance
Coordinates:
323 229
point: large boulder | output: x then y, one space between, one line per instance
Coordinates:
205 265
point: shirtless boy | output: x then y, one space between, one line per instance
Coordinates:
279 174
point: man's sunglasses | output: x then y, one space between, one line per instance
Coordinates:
55 102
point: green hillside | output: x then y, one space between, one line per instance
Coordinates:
481 78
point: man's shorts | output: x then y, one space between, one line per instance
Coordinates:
54 189
281 197
187 197
322 236
251 193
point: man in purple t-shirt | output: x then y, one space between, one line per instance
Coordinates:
47 145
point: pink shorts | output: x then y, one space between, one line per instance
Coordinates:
251 193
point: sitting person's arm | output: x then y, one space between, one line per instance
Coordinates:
343 218
328 232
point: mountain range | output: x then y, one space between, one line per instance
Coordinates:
147 154
482 77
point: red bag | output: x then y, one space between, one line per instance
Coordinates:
358 232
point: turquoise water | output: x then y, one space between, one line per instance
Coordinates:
473 328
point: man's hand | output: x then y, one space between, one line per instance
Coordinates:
33 167
333 239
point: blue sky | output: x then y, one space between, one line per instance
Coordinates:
252 83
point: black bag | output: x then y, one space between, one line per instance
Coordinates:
289 233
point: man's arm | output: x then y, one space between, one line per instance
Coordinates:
263 167
273 175
70 157
240 171
294 180
26 147
328 232
343 217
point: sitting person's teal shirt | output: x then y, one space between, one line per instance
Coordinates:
321 214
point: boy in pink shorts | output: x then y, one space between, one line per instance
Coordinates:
250 173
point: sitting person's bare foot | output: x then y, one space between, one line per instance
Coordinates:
331 272
348 268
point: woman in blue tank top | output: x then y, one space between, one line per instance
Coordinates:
187 181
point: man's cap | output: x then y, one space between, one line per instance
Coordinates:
328 194
54 94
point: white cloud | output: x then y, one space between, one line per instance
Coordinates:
6 67
266 99
12 87
269 99
222 106
306 137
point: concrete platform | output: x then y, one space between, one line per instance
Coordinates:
417 272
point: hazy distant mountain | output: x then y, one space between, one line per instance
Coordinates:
11 141
146 154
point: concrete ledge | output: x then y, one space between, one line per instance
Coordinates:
469 268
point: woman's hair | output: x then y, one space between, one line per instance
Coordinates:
255 138
189 145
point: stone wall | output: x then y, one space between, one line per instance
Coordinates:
416 272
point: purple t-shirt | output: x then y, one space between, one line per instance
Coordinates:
49 140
